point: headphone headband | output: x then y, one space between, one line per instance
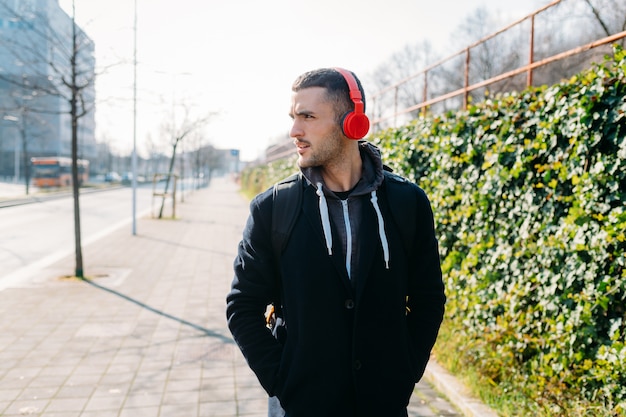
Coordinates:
355 124
355 93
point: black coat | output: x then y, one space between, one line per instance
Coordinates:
353 347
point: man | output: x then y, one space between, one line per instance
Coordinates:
362 304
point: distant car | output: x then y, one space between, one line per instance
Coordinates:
127 178
112 177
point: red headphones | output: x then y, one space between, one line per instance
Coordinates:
355 124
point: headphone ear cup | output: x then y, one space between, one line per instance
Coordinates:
355 125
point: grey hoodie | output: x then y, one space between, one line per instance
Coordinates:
344 215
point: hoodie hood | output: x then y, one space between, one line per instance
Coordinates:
371 178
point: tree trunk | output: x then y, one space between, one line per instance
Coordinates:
79 273
25 161
169 175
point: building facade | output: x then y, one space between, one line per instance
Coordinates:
37 45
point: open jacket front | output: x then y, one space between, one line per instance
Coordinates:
354 345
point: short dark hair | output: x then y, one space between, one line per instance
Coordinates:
337 89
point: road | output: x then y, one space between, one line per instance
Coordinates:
34 235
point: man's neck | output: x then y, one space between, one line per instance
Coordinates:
343 175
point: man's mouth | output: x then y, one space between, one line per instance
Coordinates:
301 147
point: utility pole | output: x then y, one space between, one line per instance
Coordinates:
134 157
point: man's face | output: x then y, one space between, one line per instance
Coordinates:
318 138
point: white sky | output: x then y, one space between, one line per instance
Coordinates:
238 58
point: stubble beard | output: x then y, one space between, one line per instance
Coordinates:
329 152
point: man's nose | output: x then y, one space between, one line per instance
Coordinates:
296 131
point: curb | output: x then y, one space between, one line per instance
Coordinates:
38 197
457 393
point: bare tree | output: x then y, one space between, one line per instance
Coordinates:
77 84
29 125
65 70
496 55
23 104
482 47
204 159
154 154
178 133
411 65
609 15
571 24
401 65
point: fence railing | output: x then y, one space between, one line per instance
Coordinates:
383 120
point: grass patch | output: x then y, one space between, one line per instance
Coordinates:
512 395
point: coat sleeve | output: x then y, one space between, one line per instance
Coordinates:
426 299
253 288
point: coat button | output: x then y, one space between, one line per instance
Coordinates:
349 304
357 365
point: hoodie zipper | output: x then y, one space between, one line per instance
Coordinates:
346 220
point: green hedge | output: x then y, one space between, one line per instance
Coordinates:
529 195
260 177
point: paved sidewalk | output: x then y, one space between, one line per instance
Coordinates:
148 336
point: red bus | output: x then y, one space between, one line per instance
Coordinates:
56 171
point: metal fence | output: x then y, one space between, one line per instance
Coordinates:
388 103
452 82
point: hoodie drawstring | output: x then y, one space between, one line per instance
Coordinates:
325 218
323 205
381 229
